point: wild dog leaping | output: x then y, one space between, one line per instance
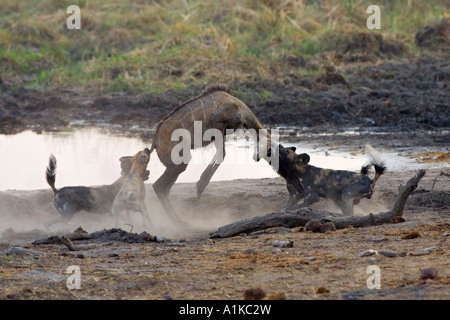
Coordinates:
131 196
345 188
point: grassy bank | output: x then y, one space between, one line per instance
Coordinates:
154 46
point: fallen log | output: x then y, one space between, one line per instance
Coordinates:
72 247
103 236
302 216
77 234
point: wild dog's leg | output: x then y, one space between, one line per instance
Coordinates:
296 191
116 210
146 219
295 196
343 205
60 219
351 194
210 170
162 189
309 199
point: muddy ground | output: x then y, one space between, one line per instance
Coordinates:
405 94
399 105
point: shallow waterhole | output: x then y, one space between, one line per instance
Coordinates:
90 156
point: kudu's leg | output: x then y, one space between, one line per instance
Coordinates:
116 210
210 170
162 189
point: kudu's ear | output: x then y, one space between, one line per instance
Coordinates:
303 158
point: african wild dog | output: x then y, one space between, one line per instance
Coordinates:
131 195
70 200
308 183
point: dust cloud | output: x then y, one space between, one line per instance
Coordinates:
23 214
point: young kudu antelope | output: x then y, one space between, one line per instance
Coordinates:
215 109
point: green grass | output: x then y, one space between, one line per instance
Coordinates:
154 46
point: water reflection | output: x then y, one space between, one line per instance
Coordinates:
91 157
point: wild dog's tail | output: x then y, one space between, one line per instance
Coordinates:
375 161
50 173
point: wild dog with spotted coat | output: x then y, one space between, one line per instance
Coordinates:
70 200
131 196
308 183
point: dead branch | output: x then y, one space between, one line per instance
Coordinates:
103 236
72 247
60 239
303 216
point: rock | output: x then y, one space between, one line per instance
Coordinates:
428 273
307 259
322 290
392 254
367 253
250 251
276 296
283 244
327 226
411 235
423 252
313 225
254 294
378 239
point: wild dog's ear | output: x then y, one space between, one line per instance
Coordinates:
292 148
125 164
281 149
303 158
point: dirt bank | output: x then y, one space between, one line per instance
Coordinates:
404 95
